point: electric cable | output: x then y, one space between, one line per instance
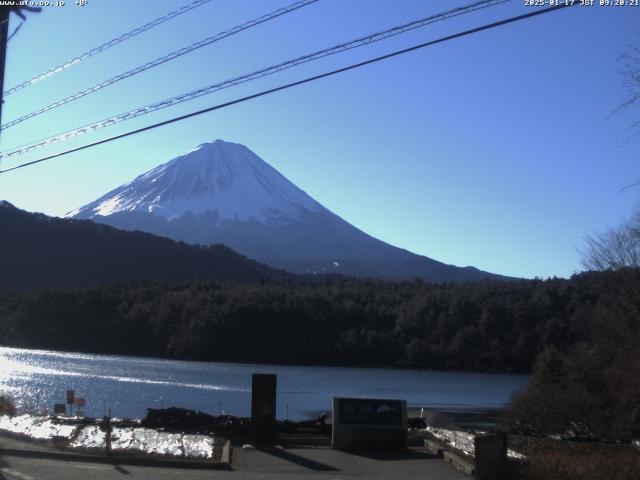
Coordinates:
101 48
160 60
296 83
361 41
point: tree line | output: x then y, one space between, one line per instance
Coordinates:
590 386
488 326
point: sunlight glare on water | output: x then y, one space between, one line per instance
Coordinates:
129 385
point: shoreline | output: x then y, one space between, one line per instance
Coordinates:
45 351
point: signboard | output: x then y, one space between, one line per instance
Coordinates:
70 396
59 408
364 411
369 422
79 402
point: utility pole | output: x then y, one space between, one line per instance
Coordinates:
5 11
4 39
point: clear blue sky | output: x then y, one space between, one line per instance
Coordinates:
496 150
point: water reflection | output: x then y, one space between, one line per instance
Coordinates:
129 385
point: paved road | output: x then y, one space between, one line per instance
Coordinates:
296 463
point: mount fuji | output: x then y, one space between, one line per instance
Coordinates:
222 192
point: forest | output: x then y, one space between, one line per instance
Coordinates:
488 326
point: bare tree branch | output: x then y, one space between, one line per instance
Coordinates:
615 248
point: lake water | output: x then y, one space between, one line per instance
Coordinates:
129 385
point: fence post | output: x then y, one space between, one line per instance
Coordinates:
491 456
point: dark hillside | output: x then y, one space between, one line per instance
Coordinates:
41 251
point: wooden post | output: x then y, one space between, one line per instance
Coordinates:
106 426
263 406
491 456
4 39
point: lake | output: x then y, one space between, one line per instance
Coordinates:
129 385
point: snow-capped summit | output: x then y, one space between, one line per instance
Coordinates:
226 179
222 192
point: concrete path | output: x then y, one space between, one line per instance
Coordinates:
316 463
326 463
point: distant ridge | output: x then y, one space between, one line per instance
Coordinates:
222 192
42 251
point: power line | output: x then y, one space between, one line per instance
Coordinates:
215 87
159 61
362 41
299 82
101 48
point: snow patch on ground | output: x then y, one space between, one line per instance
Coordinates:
197 446
146 440
90 437
38 428
123 439
463 441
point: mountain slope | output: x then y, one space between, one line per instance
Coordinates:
223 176
224 193
41 251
